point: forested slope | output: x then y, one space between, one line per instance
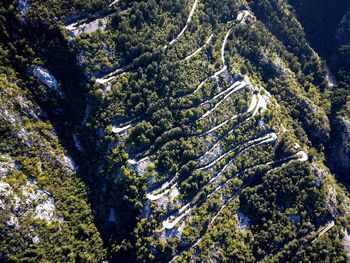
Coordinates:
199 129
45 212
327 24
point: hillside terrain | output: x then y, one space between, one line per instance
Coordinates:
327 28
174 131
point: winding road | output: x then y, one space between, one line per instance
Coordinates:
224 66
187 208
189 19
169 185
227 202
199 49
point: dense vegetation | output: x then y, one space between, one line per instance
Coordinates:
327 28
174 111
30 141
30 151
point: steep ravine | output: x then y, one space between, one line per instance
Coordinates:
323 22
230 170
70 123
67 112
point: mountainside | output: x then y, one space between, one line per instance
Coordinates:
174 131
327 25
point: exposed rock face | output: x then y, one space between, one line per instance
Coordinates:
30 201
342 33
46 78
24 6
31 162
25 200
346 242
274 65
